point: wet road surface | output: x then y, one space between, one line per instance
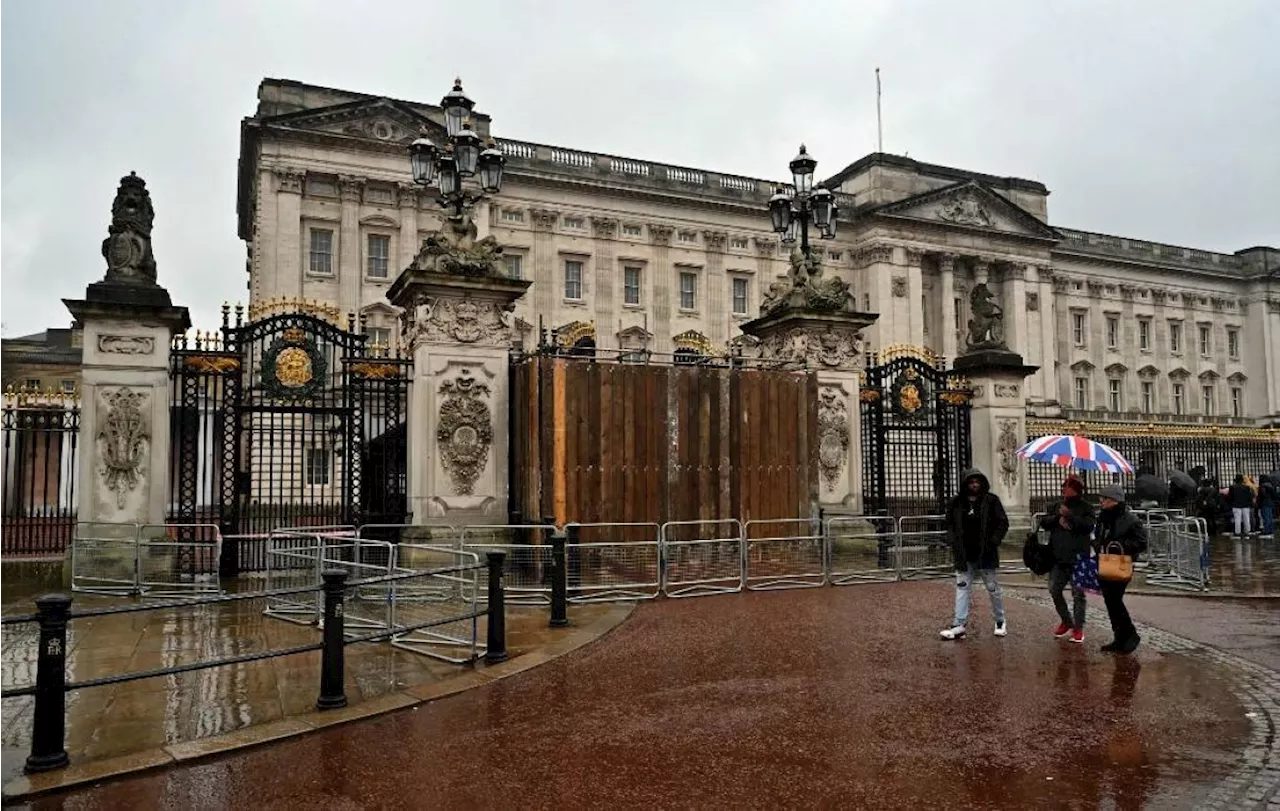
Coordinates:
835 697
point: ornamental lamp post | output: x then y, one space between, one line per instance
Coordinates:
465 155
793 209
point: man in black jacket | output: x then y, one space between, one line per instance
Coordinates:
1267 497
976 526
1070 526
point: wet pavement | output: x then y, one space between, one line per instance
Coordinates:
114 720
833 697
1249 566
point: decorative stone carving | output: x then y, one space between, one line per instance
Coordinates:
766 247
604 227
873 254
714 240
458 252
833 435
1006 390
408 195
806 289
1015 271
123 442
830 348
350 188
1006 451
661 234
946 263
127 247
965 209
914 257
899 287
126 344
1158 295
1128 291
543 218
986 328
1060 283
464 431
288 179
457 320
1033 302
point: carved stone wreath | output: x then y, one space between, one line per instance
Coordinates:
122 442
1006 451
293 367
464 431
833 435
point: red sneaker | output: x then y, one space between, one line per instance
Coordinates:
1077 635
1062 630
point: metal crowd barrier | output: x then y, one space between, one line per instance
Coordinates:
923 549
784 553
1186 562
436 606
700 558
104 559
621 561
528 566
146 560
860 551
293 562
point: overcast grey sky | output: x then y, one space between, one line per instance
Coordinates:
1157 120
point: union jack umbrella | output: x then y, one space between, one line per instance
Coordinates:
1076 452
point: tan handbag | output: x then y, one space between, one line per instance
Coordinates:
1116 567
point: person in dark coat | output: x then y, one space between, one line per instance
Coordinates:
1118 525
1240 498
1208 505
976 526
1070 526
1268 495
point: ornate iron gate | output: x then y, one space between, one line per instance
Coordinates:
288 420
915 434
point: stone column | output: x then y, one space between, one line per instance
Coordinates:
717 296
408 226
129 322
288 220
876 262
1048 338
605 228
802 328
664 286
947 278
1015 307
544 266
998 424
458 329
915 295
350 271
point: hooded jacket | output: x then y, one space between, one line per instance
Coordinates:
993 523
1120 525
1070 541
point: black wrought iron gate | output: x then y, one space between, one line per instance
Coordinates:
915 434
288 420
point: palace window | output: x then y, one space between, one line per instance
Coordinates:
1237 401
631 285
688 236
31 384
739 296
377 194
317 466
1113 332
1148 397
573 280
924 308
1207 400
959 305
379 253
1179 399
632 230
574 223
835 256
1144 334
738 243
1233 342
1175 337
512 262
320 186
321 251
1113 396
67 386
688 291
378 337
1078 328
512 215
1204 340
1082 393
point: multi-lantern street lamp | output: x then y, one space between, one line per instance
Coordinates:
793 209
464 156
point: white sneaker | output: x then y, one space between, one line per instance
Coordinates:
1002 629
953 633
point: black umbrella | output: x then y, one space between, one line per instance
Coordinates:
1182 481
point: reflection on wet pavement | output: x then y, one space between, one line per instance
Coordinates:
118 719
1250 566
835 697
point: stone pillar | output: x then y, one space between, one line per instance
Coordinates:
544 266
717 296
1015 307
998 424
1047 303
947 279
664 286
458 329
288 218
350 271
408 226
804 327
915 297
605 228
129 323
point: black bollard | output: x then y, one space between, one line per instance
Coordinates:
48 732
496 646
332 663
559 582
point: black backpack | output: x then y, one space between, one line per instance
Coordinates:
1036 556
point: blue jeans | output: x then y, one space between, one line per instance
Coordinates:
1268 514
964 593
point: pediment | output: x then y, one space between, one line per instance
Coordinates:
1082 366
634 333
1148 371
379 220
1238 378
969 205
374 119
1209 375
1179 374
1117 369
378 308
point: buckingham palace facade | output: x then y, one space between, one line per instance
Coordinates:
640 255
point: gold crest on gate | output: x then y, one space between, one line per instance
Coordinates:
293 367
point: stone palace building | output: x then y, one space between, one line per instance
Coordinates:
639 255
